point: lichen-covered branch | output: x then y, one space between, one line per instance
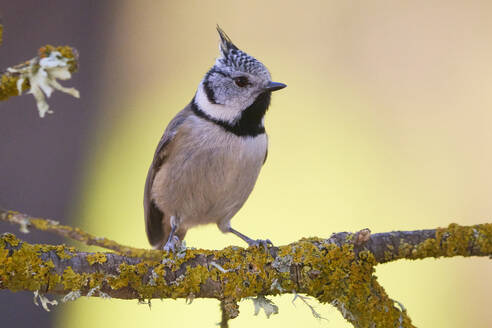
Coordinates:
26 222
455 240
338 270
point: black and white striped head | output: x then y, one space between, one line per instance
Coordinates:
236 90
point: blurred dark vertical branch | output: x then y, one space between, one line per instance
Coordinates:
41 160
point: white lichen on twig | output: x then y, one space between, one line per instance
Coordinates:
24 224
153 278
400 318
305 300
276 286
97 289
261 302
42 74
218 267
282 263
145 302
190 298
44 301
72 296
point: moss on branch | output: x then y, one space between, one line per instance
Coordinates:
337 270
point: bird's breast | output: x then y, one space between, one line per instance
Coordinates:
209 173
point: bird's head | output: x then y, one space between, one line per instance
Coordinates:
236 83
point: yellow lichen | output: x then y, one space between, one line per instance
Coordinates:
73 281
451 241
11 239
64 252
41 224
65 51
96 258
331 273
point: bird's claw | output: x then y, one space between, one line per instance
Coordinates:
171 245
260 242
252 242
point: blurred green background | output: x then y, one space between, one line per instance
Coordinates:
385 124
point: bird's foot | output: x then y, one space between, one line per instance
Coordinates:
252 242
260 242
171 245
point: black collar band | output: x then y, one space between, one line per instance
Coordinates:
249 124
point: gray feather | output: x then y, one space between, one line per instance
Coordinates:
153 215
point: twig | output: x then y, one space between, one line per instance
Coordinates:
9 86
39 75
224 321
26 221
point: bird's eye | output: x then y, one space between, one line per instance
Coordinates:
241 81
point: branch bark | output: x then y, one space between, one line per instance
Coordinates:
338 270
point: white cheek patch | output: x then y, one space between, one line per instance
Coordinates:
216 111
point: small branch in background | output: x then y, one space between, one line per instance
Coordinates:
25 222
39 75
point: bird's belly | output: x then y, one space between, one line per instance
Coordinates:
223 189
210 184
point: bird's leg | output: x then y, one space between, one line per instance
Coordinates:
173 240
251 242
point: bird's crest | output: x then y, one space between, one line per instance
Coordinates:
226 44
234 57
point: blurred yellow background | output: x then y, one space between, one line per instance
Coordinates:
385 124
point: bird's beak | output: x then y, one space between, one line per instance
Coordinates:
274 86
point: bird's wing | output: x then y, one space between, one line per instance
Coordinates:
153 215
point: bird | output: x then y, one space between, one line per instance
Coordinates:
211 153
